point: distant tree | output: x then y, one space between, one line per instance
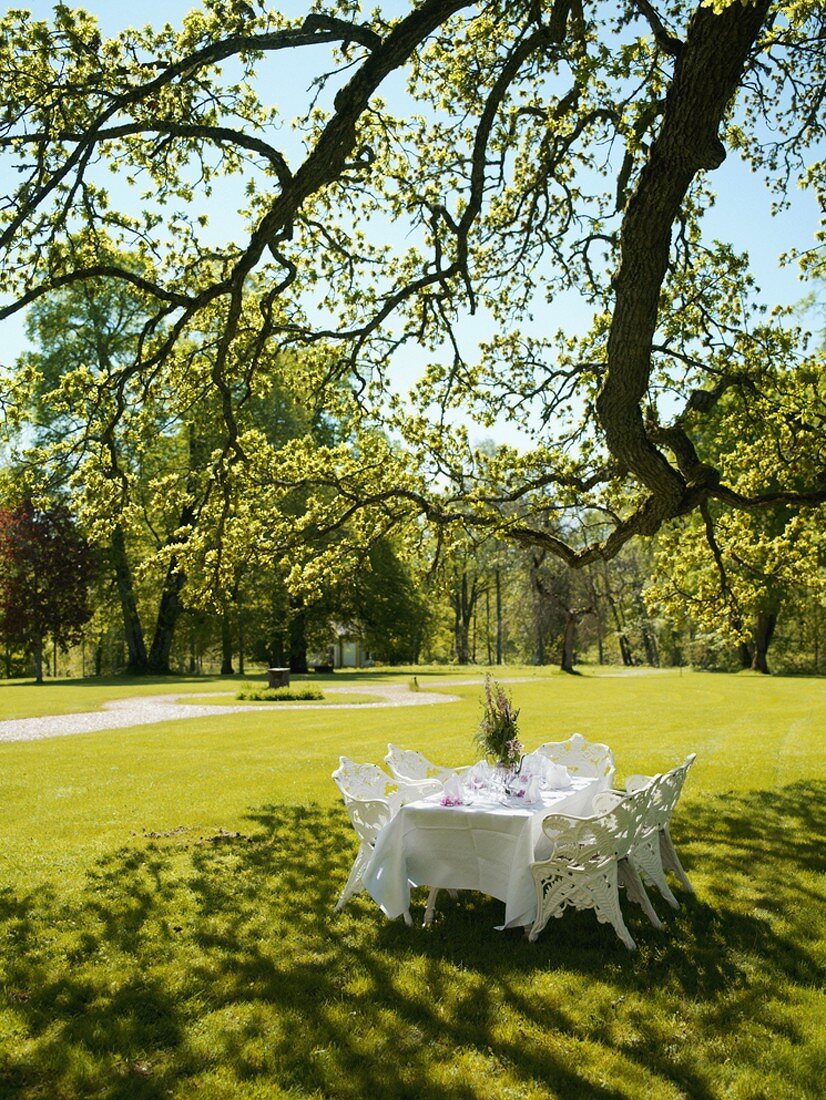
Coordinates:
81 337
45 569
737 572
392 607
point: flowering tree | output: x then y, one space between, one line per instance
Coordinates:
45 569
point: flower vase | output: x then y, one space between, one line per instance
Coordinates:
506 772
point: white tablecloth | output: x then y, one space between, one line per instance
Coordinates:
486 846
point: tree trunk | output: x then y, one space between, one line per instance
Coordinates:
137 661
460 637
38 658
193 656
568 642
746 655
816 639
298 640
498 616
626 653
463 601
598 614
171 607
707 72
226 642
540 639
487 627
649 641
763 634
538 607
241 638
169 612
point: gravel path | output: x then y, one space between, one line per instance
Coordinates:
147 709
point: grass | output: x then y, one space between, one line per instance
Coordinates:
166 899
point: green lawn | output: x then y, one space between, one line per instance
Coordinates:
166 898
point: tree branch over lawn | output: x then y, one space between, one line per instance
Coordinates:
535 151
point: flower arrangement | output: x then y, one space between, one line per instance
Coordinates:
498 733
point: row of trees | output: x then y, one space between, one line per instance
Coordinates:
482 603
217 405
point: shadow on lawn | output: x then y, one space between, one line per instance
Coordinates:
214 965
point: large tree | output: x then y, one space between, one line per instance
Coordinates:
82 335
539 147
46 566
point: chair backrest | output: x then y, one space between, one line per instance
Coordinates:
368 817
366 781
409 764
369 781
626 816
585 843
588 759
665 792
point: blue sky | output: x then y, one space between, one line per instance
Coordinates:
741 215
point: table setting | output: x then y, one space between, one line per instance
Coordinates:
484 783
540 831
483 828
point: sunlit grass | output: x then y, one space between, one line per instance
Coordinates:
166 898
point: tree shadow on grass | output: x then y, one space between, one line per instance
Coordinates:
214 966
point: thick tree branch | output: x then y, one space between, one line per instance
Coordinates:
706 75
667 42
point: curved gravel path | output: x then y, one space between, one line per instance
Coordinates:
147 709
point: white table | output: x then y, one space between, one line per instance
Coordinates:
485 845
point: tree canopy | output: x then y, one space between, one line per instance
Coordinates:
451 159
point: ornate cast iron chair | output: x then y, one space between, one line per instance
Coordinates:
411 765
581 873
656 854
631 825
582 757
368 817
371 798
365 781
589 863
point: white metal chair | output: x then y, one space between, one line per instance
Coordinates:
631 825
656 854
581 757
366 781
371 798
411 765
581 873
368 817
590 861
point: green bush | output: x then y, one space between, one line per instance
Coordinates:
279 695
